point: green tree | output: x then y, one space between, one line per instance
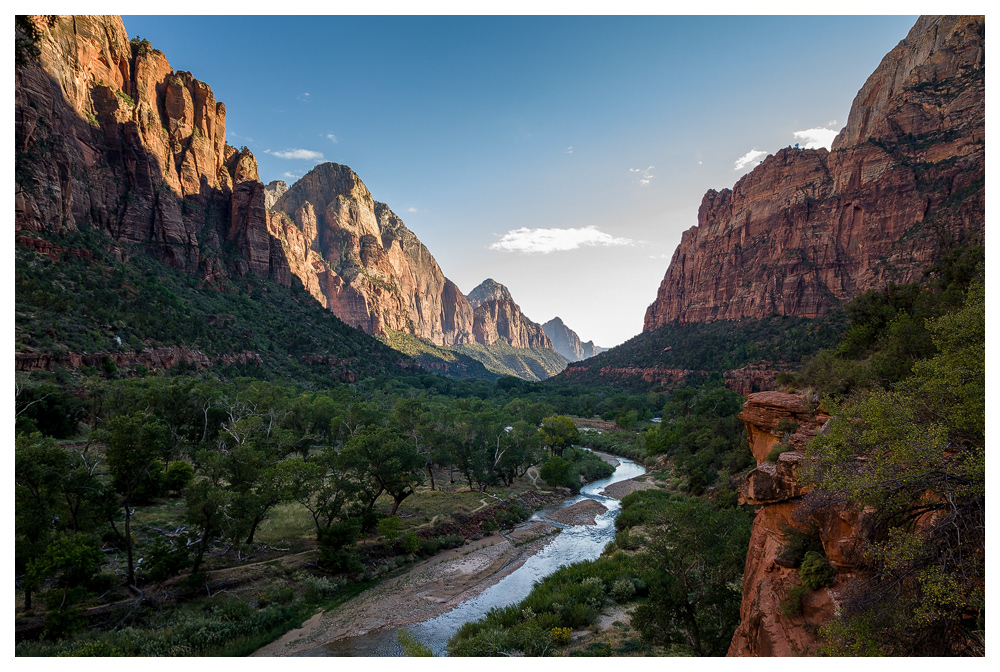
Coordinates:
205 511
135 443
385 459
559 433
40 467
695 565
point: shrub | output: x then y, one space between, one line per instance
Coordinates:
163 560
560 636
623 590
792 604
777 451
815 572
319 587
390 528
179 474
798 543
450 541
410 543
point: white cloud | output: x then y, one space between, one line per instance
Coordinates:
750 157
544 241
815 138
332 138
411 209
291 176
304 97
569 150
297 154
645 175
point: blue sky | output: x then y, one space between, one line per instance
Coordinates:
561 156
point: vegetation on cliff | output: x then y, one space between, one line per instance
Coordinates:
779 342
907 389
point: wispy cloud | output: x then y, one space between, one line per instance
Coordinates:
645 175
297 154
569 150
291 176
543 241
332 138
749 158
303 97
815 138
411 209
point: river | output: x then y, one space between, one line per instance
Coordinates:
572 544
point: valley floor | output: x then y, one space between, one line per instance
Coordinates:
421 592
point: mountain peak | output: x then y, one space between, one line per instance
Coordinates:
488 290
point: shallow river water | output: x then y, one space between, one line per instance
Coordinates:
573 544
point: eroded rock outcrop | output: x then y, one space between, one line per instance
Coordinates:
498 318
807 229
767 627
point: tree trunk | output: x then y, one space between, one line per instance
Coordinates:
128 543
430 472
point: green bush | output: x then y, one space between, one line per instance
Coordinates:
777 451
622 591
798 543
320 587
792 604
390 528
410 543
179 474
815 572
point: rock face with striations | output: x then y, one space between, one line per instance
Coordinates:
361 262
566 342
498 318
807 229
107 133
776 488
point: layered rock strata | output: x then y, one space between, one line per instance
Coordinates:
776 487
109 135
808 229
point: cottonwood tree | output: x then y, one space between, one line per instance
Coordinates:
385 459
135 442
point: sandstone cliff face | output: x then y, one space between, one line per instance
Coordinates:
360 261
566 342
107 133
498 318
808 229
764 630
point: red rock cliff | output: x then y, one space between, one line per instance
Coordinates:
807 229
766 629
107 133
